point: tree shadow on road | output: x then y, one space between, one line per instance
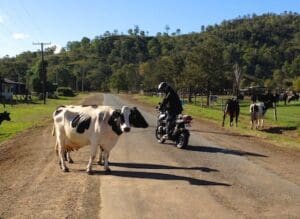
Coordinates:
162 176
210 149
159 166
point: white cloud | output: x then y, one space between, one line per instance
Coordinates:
20 36
57 49
1 19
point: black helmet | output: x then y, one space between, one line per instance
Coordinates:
162 87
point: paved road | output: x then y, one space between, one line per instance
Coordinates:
219 175
204 181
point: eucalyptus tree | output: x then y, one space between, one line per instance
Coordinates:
206 64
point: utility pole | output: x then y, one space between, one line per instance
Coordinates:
43 69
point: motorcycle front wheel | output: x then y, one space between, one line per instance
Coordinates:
159 136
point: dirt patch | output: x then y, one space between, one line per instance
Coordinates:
32 184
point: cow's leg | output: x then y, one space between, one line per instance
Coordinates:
61 151
236 121
252 121
262 122
231 120
106 167
100 161
224 116
56 148
65 156
69 158
94 148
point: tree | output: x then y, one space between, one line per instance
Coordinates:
207 58
39 76
296 84
278 78
118 81
154 48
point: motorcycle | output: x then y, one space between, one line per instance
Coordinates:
180 134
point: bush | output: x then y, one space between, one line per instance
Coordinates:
53 95
65 91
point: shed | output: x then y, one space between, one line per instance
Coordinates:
8 88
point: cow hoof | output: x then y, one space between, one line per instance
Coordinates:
66 170
71 161
90 172
107 171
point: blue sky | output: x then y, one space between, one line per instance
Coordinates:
23 22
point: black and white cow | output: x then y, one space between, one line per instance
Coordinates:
294 96
258 111
4 116
97 126
232 108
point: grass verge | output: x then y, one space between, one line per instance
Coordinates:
24 116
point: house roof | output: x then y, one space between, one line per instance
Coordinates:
8 81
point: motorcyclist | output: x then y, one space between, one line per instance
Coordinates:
172 104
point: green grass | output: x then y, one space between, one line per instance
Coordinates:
24 116
288 119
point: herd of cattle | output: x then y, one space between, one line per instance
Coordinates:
257 112
257 109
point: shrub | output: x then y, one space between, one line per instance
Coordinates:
65 91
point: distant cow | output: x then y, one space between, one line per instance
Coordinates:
232 108
258 111
4 116
97 126
213 99
293 97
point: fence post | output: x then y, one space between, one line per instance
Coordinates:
222 104
201 101
275 111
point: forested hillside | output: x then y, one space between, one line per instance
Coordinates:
264 50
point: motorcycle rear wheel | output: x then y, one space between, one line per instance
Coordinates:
182 140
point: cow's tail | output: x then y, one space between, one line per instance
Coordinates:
56 148
53 131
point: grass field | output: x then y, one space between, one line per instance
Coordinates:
24 116
283 132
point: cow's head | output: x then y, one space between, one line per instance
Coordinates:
125 124
121 120
5 116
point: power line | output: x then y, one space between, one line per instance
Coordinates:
30 17
44 80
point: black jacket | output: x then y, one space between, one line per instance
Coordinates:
171 102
